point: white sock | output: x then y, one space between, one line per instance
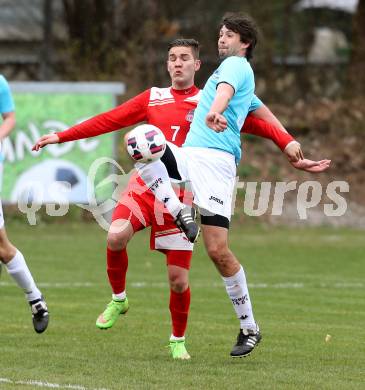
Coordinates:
174 338
156 177
120 297
19 271
237 290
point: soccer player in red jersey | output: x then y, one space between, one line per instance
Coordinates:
170 109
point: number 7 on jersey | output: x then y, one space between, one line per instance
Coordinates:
176 130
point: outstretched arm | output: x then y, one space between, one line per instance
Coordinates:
262 128
285 142
264 113
127 114
293 150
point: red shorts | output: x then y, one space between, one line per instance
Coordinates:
139 205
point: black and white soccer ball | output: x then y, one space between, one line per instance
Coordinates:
146 143
46 182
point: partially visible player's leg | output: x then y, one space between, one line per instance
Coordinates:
166 238
213 179
117 266
129 216
120 232
216 242
157 176
179 290
178 264
17 268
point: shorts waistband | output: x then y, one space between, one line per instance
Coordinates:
213 152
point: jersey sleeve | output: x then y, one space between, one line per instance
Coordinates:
255 104
127 114
264 129
232 72
6 100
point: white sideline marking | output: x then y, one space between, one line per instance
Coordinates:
46 384
284 286
58 284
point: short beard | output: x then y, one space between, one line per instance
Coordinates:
224 56
228 53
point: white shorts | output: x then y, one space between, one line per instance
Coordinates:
212 176
174 241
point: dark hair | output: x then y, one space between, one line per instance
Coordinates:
245 26
192 43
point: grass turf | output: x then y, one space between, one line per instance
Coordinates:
305 284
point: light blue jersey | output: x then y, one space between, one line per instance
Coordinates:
255 104
6 100
6 105
237 72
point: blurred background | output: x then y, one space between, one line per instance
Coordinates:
309 66
307 48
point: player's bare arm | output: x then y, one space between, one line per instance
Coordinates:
283 140
293 150
214 119
8 124
46 139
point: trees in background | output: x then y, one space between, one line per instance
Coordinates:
357 63
127 39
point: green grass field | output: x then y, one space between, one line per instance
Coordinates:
305 284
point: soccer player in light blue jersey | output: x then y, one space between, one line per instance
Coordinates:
208 161
12 258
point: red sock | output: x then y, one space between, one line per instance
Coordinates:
179 309
117 265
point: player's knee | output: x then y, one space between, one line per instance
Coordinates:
217 252
7 252
3 255
120 232
179 286
117 241
178 282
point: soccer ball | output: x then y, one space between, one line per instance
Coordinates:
44 183
146 143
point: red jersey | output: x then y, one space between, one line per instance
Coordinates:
170 110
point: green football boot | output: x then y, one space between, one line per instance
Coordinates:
178 350
110 315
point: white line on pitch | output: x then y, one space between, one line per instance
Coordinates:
45 384
284 285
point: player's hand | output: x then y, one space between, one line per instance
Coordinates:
46 140
216 121
294 152
311 166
